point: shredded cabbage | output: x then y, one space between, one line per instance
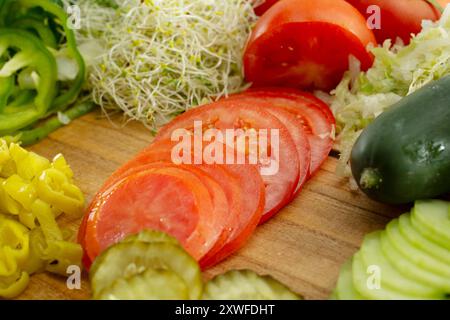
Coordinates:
161 57
398 71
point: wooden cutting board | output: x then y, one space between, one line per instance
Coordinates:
303 246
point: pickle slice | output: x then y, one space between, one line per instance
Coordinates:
127 259
153 284
246 285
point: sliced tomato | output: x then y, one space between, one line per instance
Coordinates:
306 44
315 117
281 184
191 207
242 185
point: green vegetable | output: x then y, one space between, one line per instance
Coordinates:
128 259
152 284
402 262
28 137
67 96
159 58
31 54
398 71
404 154
246 285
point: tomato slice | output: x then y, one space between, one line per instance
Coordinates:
191 207
281 183
242 184
315 117
306 44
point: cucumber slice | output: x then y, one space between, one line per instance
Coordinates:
408 269
419 258
420 241
431 217
153 284
127 259
391 278
360 277
152 236
246 285
345 289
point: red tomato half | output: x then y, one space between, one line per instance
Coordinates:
281 183
189 206
313 114
399 18
306 44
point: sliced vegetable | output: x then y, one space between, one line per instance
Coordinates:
306 44
246 285
314 115
222 115
161 197
394 264
152 284
125 260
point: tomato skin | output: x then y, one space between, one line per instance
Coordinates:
306 44
262 8
399 18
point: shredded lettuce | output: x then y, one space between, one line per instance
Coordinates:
398 71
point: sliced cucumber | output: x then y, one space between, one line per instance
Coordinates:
360 278
419 258
151 236
127 259
420 241
246 285
153 284
391 278
432 218
345 289
408 269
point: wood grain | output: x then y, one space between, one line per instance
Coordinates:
303 246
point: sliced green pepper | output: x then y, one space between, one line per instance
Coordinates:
40 28
32 53
70 95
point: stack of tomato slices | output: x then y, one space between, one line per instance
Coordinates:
213 207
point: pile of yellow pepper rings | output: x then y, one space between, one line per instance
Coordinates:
33 192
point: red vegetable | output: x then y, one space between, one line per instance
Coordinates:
399 18
306 44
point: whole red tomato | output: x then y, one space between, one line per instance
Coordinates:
399 18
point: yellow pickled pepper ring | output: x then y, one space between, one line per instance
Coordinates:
15 288
54 187
14 246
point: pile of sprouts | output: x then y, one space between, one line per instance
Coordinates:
160 58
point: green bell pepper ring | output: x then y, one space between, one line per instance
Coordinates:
31 53
41 30
69 96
